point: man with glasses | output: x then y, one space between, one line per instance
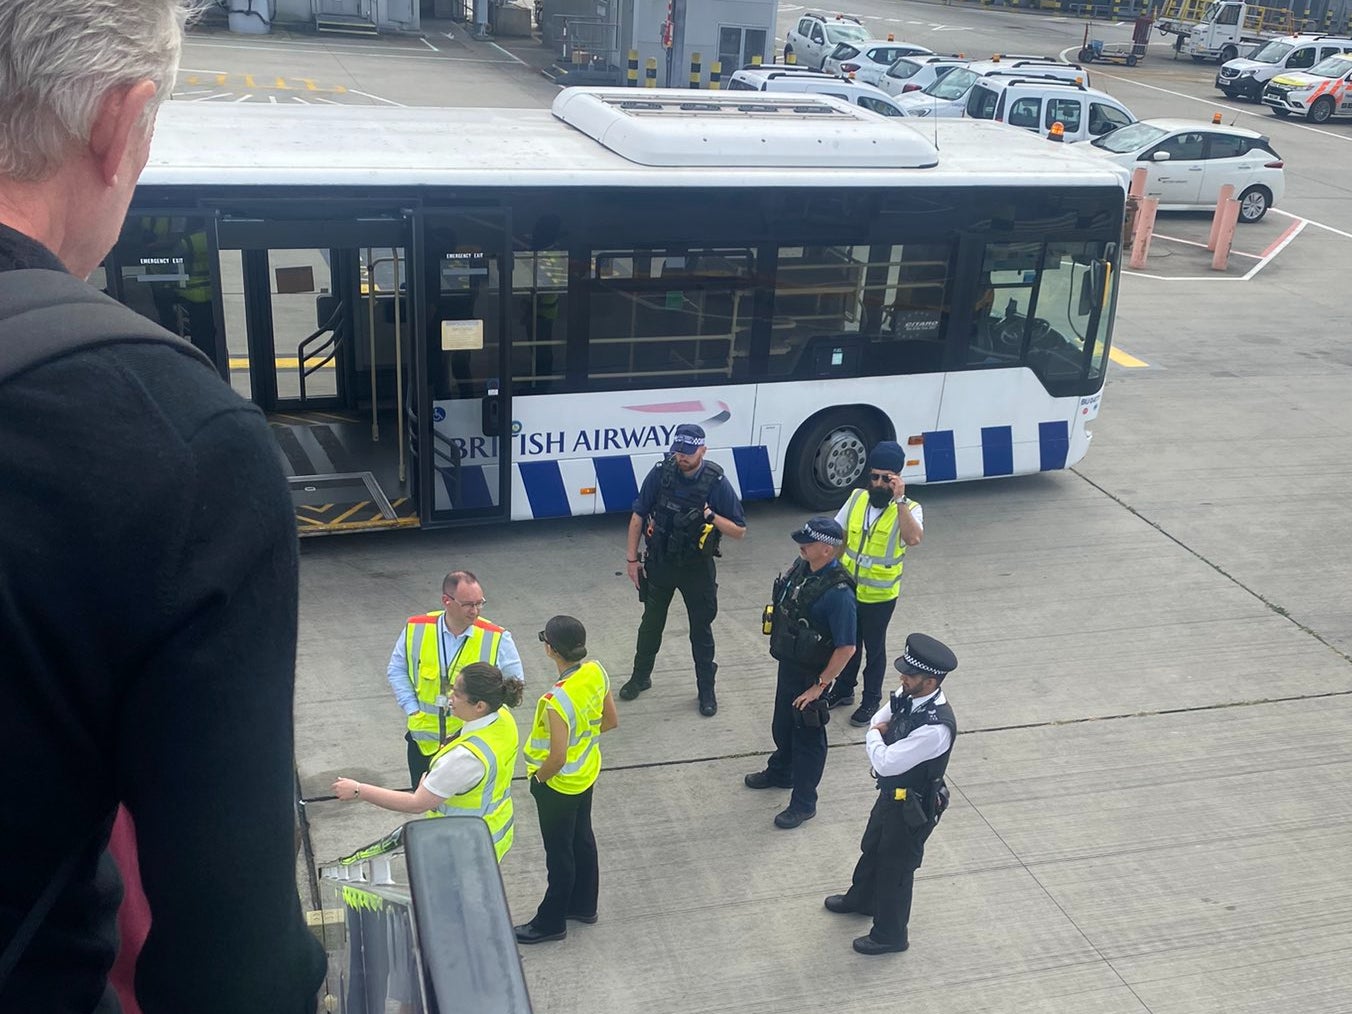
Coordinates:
432 648
879 523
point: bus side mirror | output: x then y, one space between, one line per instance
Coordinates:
1092 287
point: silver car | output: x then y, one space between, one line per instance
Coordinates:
816 36
869 59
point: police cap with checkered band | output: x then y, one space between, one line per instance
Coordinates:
926 656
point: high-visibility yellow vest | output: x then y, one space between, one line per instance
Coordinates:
491 798
197 266
432 676
874 558
578 698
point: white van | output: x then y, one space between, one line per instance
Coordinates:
1036 103
948 95
771 78
1244 78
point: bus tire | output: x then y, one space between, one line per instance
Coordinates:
1320 111
827 456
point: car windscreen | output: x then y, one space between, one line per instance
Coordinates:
1332 66
1273 52
846 33
1129 138
953 85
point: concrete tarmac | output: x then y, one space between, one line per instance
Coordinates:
1151 781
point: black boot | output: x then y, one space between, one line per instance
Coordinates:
708 703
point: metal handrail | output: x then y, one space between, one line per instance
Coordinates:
330 328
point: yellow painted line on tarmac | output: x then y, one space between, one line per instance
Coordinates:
1125 359
284 362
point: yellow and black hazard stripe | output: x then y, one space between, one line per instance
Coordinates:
362 516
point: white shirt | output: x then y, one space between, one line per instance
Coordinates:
872 514
458 770
923 744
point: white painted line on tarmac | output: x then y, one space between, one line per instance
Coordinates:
213 95
1281 244
297 98
377 98
199 70
1193 242
1317 225
327 102
510 56
244 98
196 91
428 44
272 99
449 36
358 52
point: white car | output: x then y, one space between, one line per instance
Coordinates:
946 96
1244 77
816 36
868 59
778 78
1187 163
1319 95
914 73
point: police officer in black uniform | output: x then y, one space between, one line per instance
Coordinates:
685 506
908 746
812 636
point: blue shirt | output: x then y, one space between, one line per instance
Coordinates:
722 500
836 611
402 682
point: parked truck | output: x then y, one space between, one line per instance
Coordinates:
1228 29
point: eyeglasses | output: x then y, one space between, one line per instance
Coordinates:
468 605
880 477
543 639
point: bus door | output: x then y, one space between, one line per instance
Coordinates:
463 430
317 323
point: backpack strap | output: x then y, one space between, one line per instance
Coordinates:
46 315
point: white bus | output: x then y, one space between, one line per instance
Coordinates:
460 315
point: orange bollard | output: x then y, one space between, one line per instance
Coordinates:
1227 192
1137 182
1145 227
1229 215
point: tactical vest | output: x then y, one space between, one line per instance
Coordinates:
433 676
795 637
495 746
578 698
677 531
922 777
874 556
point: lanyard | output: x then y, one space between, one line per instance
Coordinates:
444 701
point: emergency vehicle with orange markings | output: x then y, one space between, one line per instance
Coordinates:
1322 93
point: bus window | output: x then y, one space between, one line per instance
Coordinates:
540 321
893 295
667 317
166 275
1004 298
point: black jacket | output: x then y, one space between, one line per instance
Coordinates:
147 655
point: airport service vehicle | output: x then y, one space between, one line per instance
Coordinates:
472 315
1228 29
1037 103
1322 94
1245 77
869 59
1187 163
816 36
775 78
947 97
915 73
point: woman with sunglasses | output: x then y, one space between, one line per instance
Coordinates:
563 759
472 772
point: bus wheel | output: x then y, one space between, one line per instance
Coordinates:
1320 111
827 457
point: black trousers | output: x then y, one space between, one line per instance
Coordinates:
800 751
418 762
698 585
570 856
871 623
884 877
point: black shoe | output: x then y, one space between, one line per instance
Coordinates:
708 703
837 903
527 933
789 818
835 698
867 945
635 686
763 780
863 715
588 919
